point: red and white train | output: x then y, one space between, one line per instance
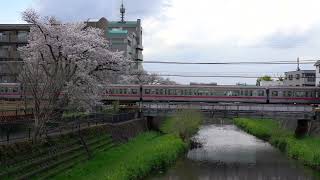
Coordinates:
245 94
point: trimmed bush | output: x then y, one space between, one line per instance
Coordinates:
184 124
305 150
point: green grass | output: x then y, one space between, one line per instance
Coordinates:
306 150
133 160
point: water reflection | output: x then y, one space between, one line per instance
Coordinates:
229 153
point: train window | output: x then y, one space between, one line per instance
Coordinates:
174 92
195 92
246 93
236 93
125 91
261 93
310 94
120 91
228 93
161 91
157 91
300 94
147 91
134 91
274 93
287 93
206 92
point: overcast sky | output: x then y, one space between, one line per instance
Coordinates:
203 31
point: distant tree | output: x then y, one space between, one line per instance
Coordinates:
64 65
263 78
280 78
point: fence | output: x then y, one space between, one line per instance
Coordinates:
13 133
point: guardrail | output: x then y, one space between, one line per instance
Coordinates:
232 107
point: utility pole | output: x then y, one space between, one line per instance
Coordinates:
298 64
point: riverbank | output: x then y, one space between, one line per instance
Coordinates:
133 160
306 150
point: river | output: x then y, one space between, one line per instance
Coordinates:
232 154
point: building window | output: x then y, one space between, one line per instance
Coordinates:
297 76
290 77
22 36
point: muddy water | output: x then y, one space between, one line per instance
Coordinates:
230 153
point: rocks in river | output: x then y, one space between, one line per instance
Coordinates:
195 144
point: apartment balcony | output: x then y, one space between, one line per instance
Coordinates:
4 38
4 54
22 39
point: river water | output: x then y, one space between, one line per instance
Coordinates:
230 153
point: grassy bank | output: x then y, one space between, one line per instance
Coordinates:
133 160
306 150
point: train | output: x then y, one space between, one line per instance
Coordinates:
193 93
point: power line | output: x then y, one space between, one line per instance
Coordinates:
219 76
224 63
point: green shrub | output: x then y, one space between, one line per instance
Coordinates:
305 150
184 124
133 160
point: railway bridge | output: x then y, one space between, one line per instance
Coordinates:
282 111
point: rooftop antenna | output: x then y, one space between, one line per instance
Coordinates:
298 64
122 11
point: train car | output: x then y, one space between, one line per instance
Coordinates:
244 94
123 92
10 91
186 93
291 95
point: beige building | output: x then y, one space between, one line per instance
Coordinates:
317 65
12 36
300 78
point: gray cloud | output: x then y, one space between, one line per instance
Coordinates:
284 41
74 10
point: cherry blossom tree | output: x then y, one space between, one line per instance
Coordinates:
143 77
65 64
